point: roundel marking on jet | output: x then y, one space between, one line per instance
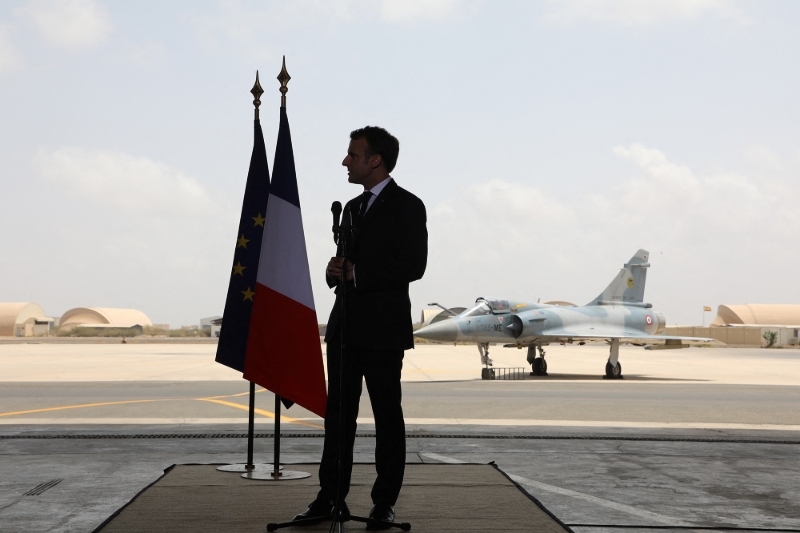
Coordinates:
630 282
648 320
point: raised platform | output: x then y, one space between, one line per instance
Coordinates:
435 497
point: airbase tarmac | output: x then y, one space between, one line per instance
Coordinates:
693 437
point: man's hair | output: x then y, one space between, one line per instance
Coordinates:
380 142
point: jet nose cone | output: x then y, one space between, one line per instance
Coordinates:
445 331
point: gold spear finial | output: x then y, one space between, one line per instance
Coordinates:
257 91
284 78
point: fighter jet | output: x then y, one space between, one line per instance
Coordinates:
617 316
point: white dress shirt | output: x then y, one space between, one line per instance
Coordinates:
376 190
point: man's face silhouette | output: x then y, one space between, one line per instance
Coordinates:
362 168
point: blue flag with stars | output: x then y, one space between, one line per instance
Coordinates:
241 289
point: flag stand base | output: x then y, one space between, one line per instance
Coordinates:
274 474
243 468
285 475
249 466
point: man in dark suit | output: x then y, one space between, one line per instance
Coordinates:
388 250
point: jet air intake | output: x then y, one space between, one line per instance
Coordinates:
524 325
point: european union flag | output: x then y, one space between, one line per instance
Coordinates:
241 289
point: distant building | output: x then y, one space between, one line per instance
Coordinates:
23 319
212 324
758 315
747 324
430 316
427 315
103 318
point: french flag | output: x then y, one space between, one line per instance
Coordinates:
283 351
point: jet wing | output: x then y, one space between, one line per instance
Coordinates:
678 338
635 337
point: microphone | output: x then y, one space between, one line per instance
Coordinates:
336 209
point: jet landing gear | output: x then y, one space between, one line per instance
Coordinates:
613 368
486 372
538 364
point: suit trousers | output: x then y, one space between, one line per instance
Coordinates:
381 370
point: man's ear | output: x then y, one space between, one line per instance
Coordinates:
376 160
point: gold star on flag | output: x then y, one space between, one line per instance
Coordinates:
248 294
259 220
242 242
238 268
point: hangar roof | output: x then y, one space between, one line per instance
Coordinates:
758 314
104 315
12 313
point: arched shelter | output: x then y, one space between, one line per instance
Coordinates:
22 319
758 315
103 317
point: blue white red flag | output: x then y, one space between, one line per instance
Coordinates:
284 353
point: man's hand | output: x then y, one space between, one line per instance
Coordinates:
335 266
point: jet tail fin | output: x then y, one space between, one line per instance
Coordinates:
627 286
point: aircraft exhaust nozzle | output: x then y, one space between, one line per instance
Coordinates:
443 331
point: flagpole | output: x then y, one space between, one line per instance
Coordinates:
276 460
249 467
256 91
284 78
251 423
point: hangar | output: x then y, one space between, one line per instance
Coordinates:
746 324
23 319
758 315
104 317
435 315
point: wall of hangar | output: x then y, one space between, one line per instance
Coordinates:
739 336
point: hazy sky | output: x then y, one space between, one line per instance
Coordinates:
549 141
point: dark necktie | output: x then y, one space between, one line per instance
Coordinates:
363 203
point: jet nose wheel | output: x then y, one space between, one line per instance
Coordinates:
613 371
539 367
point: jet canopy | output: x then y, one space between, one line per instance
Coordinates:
484 306
500 306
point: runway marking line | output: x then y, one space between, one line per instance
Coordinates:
46 409
233 395
263 412
629 509
212 399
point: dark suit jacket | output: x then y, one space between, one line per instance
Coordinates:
390 251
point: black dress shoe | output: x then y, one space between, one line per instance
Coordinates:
380 513
317 511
